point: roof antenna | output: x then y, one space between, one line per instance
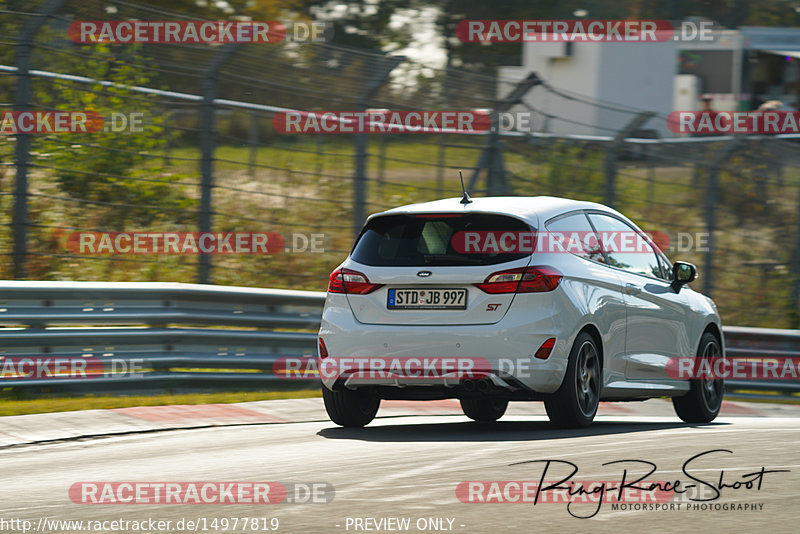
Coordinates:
465 199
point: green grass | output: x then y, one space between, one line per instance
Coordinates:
90 402
303 154
795 400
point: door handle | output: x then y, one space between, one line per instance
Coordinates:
631 289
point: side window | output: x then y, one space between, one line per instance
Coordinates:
575 234
625 247
666 267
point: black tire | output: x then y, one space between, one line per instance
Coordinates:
702 403
575 403
484 409
351 408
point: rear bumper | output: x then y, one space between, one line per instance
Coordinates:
506 347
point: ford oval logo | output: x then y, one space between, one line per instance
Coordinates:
424 274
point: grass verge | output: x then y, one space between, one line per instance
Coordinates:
71 404
777 400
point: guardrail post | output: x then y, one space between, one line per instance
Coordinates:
207 146
380 73
22 102
612 151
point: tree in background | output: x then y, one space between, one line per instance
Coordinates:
108 166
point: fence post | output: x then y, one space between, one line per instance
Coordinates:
497 184
612 151
711 202
252 140
320 140
380 73
441 158
207 146
491 156
22 102
382 161
651 179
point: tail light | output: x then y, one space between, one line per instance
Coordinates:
544 351
536 279
349 281
323 350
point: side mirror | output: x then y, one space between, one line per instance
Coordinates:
682 273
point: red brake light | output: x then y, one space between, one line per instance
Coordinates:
323 350
349 281
536 279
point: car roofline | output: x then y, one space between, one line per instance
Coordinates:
538 212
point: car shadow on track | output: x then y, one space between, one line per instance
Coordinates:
498 431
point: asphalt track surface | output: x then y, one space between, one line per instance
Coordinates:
408 466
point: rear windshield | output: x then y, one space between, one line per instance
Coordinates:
427 239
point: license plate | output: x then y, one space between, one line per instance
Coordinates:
427 299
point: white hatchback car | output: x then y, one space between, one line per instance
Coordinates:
490 300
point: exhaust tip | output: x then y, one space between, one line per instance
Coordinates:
469 385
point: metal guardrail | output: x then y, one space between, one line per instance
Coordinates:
180 334
746 342
190 334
